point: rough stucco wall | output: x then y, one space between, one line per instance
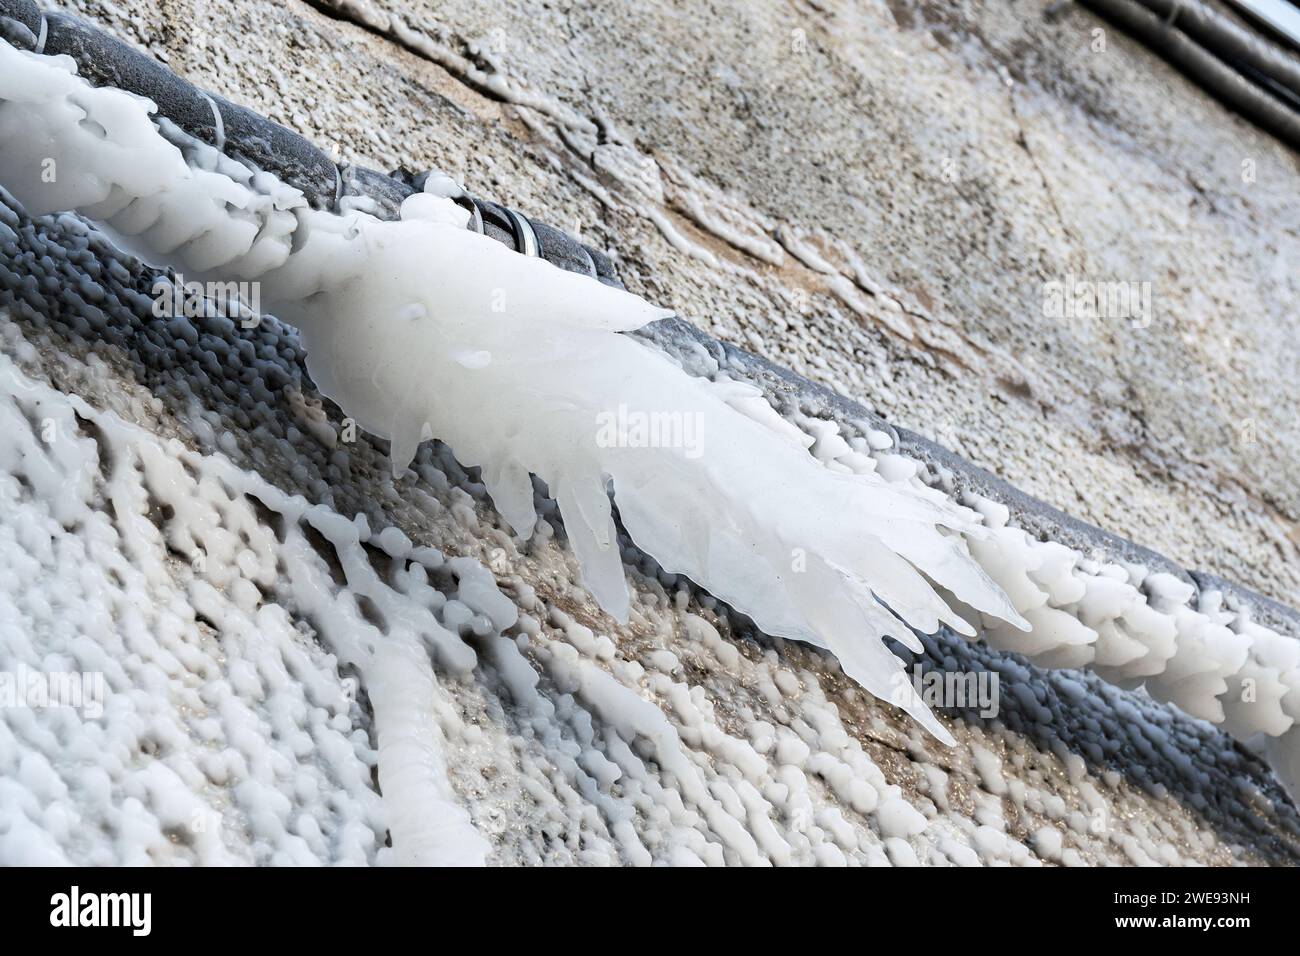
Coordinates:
893 131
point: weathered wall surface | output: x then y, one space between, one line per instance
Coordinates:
874 195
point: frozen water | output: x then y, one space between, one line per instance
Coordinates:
1118 614
418 329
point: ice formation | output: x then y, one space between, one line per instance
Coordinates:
1138 628
1134 626
418 328
121 607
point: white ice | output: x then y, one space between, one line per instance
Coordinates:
418 329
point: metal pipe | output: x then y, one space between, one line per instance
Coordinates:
1208 71
1228 41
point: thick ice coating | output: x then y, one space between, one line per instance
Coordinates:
418 329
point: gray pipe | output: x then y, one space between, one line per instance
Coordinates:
1228 41
1212 74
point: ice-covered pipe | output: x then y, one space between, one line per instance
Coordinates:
104 60
419 328
408 346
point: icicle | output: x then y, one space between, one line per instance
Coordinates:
418 328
